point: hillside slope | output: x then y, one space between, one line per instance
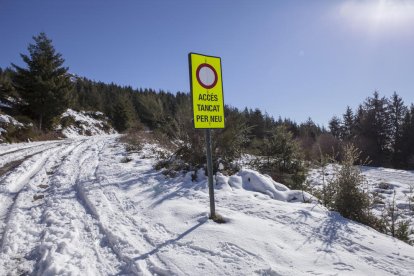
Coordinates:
70 124
73 124
80 207
390 188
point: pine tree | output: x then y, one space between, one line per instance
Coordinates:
123 114
373 129
349 198
308 132
283 158
335 127
407 139
397 112
257 121
45 85
348 125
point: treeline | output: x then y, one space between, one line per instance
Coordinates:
167 112
382 128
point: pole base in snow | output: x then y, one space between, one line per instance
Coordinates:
217 218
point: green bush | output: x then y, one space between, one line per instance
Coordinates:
282 158
348 195
403 231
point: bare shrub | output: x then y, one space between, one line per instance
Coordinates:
326 145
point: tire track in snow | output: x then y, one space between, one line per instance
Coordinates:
72 240
127 236
11 166
90 210
15 181
20 149
113 239
25 153
8 165
27 209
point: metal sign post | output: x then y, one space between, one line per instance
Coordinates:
208 105
210 173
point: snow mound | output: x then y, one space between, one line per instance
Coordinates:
84 123
251 180
8 123
9 120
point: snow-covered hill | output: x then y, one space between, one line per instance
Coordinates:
79 207
71 124
84 123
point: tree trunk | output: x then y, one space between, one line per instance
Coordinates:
40 121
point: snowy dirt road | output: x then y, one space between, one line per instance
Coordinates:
79 207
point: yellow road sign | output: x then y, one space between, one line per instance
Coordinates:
206 91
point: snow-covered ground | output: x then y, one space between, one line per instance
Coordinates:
79 207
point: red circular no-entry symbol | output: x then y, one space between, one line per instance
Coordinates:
206 75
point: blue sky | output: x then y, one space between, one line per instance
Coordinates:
296 59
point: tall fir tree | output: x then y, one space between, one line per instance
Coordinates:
373 130
347 132
124 116
407 139
257 120
335 126
45 84
397 111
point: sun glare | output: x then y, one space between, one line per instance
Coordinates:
379 14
